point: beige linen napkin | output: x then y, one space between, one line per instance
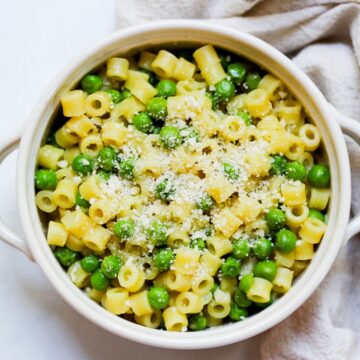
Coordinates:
323 38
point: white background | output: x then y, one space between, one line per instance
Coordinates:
37 39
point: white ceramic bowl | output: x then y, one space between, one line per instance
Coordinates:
180 33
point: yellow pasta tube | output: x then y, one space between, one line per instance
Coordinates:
145 60
131 277
312 230
164 64
74 243
260 290
65 194
116 301
97 104
139 303
96 238
45 201
310 136
80 125
73 103
177 282
219 246
186 261
174 320
152 320
283 280
210 263
284 260
78 275
91 145
319 198
113 134
296 215
304 250
184 70
202 283
257 103
49 157
102 210
117 68
66 138
91 188
76 222
226 222
57 234
188 303
293 193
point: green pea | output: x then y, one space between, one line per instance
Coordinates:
126 169
265 269
262 248
166 88
278 166
105 175
106 159
126 94
99 281
241 249
65 256
170 137
116 96
124 229
214 99
275 219
224 90
91 83
152 77
205 203
198 243
246 117
165 190
252 81
231 267
83 164
246 281
285 241
197 322
143 122
80 201
163 259
237 313
241 299
90 263
295 170
230 172
316 214
110 266
158 233
237 72
319 176
158 298
157 108
45 179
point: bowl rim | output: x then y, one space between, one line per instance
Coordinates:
214 337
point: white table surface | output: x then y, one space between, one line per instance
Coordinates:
38 38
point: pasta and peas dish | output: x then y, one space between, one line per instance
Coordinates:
182 190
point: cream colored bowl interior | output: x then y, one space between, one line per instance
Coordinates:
178 34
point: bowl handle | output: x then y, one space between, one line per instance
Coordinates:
352 128
6 147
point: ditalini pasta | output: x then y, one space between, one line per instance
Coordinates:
184 189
